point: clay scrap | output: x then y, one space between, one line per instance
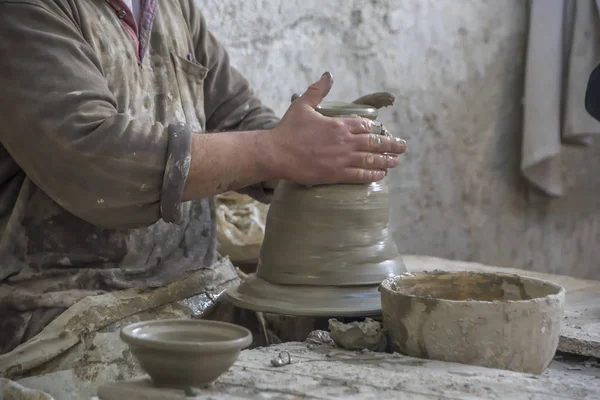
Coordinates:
377 100
319 338
366 335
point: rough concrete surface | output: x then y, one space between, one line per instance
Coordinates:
325 373
339 374
11 390
456 69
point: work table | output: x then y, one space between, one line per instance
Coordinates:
325 372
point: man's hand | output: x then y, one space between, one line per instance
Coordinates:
305 147
313 149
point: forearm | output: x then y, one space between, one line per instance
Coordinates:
229 161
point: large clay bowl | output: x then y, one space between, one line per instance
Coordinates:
185 353
329 235
492 320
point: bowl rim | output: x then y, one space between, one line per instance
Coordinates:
386 285
218 346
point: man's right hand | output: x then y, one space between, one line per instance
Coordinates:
305 147
312 149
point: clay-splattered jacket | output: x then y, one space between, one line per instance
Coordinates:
96 118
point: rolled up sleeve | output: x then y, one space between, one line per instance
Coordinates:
230 103
59 121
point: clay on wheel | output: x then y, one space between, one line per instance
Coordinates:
329 235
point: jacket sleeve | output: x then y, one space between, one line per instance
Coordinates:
59 121
230 104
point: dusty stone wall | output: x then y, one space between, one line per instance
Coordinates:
456 67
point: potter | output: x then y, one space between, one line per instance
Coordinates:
112 149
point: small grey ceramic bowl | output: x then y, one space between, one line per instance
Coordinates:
185 353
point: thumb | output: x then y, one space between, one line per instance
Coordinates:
314 95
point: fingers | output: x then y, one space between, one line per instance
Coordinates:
373 137
369 167
361 175
374 161
359 125
316 92
379 129
373 143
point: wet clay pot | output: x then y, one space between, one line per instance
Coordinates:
491 320
332 235
326 248
185 354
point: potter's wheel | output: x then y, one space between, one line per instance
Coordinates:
318 301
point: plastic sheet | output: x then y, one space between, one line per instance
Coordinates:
240 226
192 296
